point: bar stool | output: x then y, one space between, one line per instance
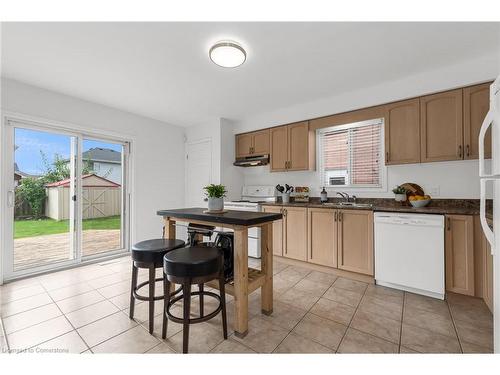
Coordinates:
190 266
149 254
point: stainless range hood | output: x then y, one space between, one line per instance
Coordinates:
252 161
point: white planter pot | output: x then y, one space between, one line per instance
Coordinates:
215 204
400 197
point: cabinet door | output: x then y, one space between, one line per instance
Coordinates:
402 132
459 243
476 106
279 148
441 126
261 142
295 238
355 241
322 236
243 145
298 144
277 230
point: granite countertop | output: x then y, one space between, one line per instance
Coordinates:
436 206
244 218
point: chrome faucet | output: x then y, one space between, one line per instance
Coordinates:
344 195
348 198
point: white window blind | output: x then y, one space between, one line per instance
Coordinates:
350 155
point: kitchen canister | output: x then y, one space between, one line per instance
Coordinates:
285 197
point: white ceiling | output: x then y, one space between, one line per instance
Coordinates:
162 70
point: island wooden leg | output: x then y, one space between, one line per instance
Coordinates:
241 282
169 230
169 233
266 292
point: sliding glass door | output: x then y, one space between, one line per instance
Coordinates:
66 198
103 196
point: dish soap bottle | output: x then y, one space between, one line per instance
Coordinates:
323 197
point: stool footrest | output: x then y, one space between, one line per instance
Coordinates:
156 298
195 320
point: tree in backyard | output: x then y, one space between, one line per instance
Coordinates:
32 190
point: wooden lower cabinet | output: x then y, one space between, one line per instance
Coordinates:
459 254
322 236
277 230
355 241
295 233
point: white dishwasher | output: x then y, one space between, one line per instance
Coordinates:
409 252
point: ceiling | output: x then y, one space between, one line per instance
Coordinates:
162 70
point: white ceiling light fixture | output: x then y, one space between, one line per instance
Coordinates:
227 54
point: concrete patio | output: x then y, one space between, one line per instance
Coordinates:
40 250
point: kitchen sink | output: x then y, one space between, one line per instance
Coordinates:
348 204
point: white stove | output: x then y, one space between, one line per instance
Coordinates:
251 196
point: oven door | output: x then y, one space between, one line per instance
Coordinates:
253 233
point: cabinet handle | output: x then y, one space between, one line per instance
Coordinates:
340 215
335 216
460 151
467 151
387 157
448 221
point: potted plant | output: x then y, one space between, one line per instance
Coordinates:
399 193
215 194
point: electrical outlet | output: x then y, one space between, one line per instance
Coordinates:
434 191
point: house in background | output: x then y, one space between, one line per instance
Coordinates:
105 163
18 175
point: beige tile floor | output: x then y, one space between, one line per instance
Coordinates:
86 310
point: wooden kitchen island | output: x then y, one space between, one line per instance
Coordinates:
246 280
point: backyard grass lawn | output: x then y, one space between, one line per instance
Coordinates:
32 228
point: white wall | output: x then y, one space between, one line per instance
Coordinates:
158 147
220 132
454 179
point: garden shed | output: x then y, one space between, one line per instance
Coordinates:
101 198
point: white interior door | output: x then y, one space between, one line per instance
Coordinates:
198 171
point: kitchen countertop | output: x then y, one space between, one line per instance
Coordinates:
244 218
437 206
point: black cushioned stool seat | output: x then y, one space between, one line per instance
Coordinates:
153 251
149 254
193 262
188 266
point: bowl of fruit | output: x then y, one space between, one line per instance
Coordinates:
418 201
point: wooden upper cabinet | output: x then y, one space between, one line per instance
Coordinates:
459 253
295 233
261 142
243 145
322 236
476 106
279 148
298 146
293 148
355 241
441 126
255 143
402 132
277 230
